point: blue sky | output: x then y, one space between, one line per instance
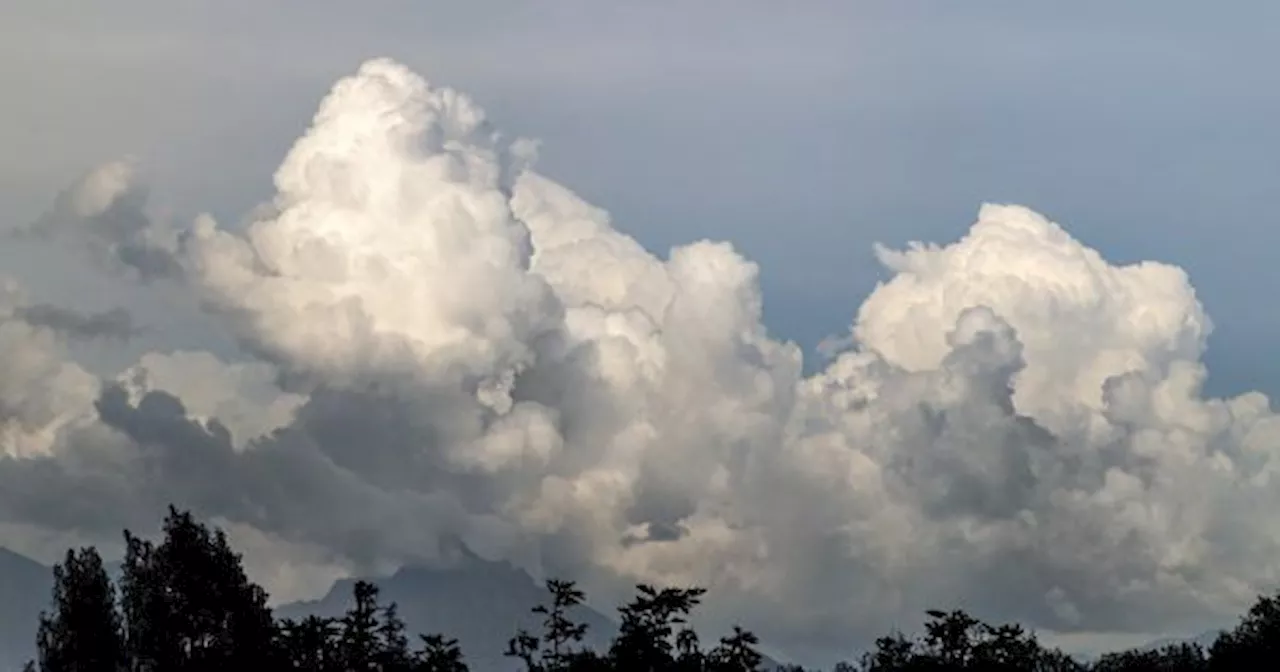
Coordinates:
801 132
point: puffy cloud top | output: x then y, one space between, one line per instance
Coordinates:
445 345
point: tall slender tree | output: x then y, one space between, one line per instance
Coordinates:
561 635
561 638
82 631
393 644
359 639
309 645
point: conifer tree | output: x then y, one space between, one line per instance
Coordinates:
82 632
309 645
359 640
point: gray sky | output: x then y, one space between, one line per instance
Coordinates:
802 134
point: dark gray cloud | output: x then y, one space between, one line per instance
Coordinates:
344 475
116 323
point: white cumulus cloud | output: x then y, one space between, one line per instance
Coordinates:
443 344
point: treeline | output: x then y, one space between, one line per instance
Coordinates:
186 605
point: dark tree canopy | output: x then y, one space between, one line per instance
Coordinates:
187 604
184 604
82 630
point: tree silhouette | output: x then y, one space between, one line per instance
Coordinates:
310 644
363 633
562 634
653 636
558 648
1172 658
1254 642
185 605
524 647
439 654
393 644
892 653
957 641
82 632
689 655
737 652
644 642
188 606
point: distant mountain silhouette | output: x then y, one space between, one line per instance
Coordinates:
25 587
480 603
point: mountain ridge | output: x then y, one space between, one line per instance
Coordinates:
25 591
481 603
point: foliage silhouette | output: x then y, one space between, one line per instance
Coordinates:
186 605
82 632
561 638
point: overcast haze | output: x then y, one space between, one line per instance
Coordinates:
452 343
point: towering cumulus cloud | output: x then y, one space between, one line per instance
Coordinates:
442 346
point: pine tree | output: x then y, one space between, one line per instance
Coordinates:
309 645
393 645
359 641
82 633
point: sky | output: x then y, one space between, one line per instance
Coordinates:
805 136
690 122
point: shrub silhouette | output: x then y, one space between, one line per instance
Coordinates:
186 605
